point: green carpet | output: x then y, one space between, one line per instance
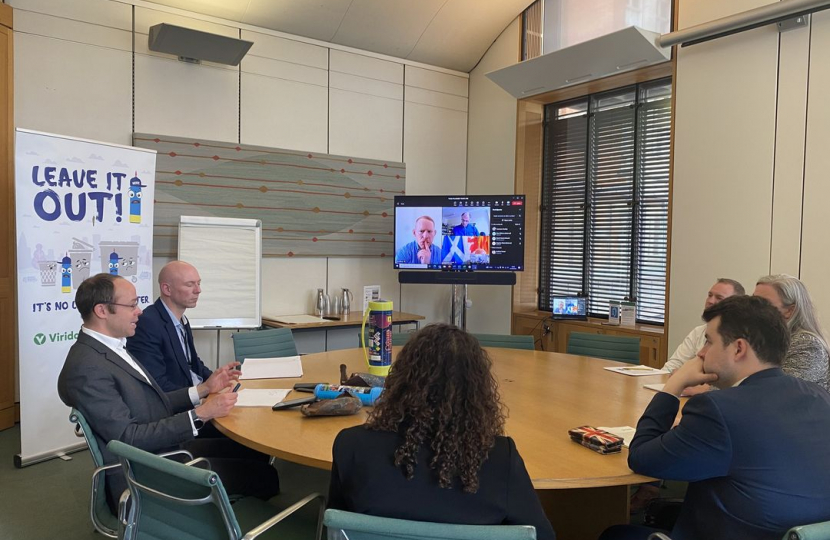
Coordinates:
47 500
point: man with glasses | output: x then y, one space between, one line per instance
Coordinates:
163 340
122 401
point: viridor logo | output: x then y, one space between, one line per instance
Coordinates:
40 338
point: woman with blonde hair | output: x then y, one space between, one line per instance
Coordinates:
808 356
433 449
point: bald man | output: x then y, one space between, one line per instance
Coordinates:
163 340
465 229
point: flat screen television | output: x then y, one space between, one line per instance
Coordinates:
460 232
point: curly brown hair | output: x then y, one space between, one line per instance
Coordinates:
440 392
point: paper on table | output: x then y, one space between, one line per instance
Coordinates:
296 319
260 397
626 432
637 371
272 368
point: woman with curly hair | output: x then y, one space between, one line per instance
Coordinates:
808 357
433 447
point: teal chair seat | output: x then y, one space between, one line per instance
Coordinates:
619 348
341 524
506 341
177 501
270 343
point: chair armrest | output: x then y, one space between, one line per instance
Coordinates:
815 531
658 536
265 525
197 461
177 452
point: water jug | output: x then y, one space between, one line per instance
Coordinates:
321 307
346 302
378 352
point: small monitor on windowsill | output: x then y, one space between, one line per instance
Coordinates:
573 308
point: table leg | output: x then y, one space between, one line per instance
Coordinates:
582 514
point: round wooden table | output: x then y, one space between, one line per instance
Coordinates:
546 394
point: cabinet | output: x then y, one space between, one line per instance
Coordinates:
551 335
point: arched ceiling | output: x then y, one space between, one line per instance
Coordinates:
453 34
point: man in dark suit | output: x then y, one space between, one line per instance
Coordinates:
464 228
121 401
163 340
755 453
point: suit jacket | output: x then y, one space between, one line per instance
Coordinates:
364 479
119 403
755 455
158 348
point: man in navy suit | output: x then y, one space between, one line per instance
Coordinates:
754 453
163 340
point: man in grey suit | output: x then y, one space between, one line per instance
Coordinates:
121 401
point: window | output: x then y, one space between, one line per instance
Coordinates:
605 199
532 31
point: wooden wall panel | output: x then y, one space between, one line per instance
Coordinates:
8 316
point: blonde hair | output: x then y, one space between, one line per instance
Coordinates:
793 293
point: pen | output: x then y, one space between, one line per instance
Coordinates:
235 388
639 368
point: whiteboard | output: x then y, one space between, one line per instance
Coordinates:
227 252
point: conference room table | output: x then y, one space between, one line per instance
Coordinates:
545 394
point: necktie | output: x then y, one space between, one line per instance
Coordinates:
186 344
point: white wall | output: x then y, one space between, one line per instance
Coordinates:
74 75
491 164
750 159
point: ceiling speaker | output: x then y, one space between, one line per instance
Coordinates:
194 45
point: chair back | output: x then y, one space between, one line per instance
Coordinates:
814 531
506 341
102 519
342 525
619 348
174 501
269 343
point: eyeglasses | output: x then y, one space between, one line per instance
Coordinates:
131 306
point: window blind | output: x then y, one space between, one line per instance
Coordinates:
605 199
563 200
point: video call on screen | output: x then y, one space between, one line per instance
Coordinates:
460 232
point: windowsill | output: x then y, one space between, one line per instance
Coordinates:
592 322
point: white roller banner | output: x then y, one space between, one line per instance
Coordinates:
83 207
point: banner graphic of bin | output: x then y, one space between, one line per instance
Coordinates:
82 207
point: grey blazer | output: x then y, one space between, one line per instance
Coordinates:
118 403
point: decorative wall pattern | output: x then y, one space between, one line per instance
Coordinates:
310 205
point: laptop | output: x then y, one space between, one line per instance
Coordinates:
570 308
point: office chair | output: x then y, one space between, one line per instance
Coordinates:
269 343
102 519
506 341
815 531
619 348
176 501
341 524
